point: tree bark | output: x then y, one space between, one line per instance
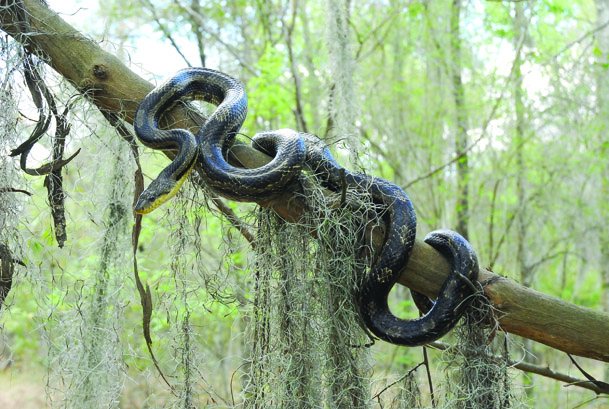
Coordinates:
112 86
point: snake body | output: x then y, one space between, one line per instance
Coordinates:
291 151
399 217
209 149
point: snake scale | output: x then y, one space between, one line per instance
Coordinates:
292 151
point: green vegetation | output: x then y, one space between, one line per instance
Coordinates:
493 117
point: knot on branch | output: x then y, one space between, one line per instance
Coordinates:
100 71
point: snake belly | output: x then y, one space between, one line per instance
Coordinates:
209 149
397 212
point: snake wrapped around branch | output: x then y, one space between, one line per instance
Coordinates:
292 151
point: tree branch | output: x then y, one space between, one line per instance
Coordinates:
165 30
112 86
198 18
545 371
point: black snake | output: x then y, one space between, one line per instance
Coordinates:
292 150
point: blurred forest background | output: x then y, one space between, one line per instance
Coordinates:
492 115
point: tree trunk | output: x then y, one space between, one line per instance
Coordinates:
113 87
518 144
602 80
524 272
461 140
602 7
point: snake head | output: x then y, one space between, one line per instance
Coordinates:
158 192
164 187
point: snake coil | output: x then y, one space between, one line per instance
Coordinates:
292 150
209 149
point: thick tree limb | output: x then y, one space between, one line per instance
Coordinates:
113 87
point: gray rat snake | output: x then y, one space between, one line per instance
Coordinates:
291 152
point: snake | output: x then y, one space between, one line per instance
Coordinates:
291 152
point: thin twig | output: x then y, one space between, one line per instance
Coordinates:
198 18
429 380
378 395
580 39
235 221
535 369
343 184
603 386
13 190
144 292
165 31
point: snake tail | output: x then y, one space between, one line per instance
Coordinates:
448 308
397 212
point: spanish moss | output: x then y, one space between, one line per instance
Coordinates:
308 349
86 362
13 189
477 377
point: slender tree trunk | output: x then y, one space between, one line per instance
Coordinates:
602 81
461 140
344 101
288 31
196 29
518 143
602 7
